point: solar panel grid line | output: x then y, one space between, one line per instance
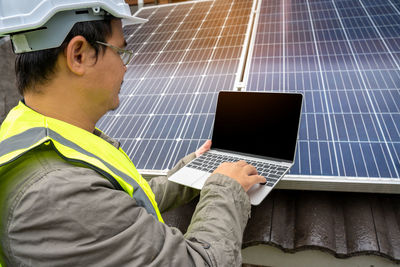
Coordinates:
111 124
129 37
174 139
154 59
367 92
334 91
322 31
324 89
203 103
347 138
373 155
329 42
380 35
283 46
148 121
325 110
274 62
273 67
229 66
383 100
314 123
185 121
123 105
372 69
116 116
127 122
394 7
146 163
184 128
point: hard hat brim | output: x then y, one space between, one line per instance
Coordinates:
131 20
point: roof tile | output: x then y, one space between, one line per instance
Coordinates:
344 224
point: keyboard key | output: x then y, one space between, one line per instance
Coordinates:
209 162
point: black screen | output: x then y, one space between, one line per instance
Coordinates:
264 124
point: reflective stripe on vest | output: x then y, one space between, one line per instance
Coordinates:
25 129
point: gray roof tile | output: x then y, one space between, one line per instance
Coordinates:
344 224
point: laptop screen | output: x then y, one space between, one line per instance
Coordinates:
258 123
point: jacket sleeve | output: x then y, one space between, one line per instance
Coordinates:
169 194
74 217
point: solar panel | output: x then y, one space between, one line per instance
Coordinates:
344 56
184 55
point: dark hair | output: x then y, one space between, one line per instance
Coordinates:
38 67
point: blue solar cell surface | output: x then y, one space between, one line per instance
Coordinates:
184 55
344 56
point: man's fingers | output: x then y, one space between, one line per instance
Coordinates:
204 148
251 170
241 163
245 174
259 179
207 144
262 179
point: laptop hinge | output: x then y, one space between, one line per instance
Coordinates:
252 156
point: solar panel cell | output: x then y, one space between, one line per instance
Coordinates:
344 58
184 55
343 55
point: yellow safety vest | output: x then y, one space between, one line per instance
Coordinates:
25 129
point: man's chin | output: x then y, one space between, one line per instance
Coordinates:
115 106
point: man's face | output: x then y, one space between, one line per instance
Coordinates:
108 72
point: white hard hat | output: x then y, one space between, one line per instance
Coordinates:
41 24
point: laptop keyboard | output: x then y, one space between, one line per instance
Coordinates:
208 162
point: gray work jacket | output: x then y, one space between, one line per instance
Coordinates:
55 213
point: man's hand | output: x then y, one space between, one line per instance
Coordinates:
203 149
245 174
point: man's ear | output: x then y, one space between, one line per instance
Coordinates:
79 55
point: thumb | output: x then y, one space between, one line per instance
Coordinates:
204 148
260 179
207 144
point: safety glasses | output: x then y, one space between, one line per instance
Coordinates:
126 55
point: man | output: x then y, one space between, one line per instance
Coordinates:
69 194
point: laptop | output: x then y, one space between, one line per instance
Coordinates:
260 128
